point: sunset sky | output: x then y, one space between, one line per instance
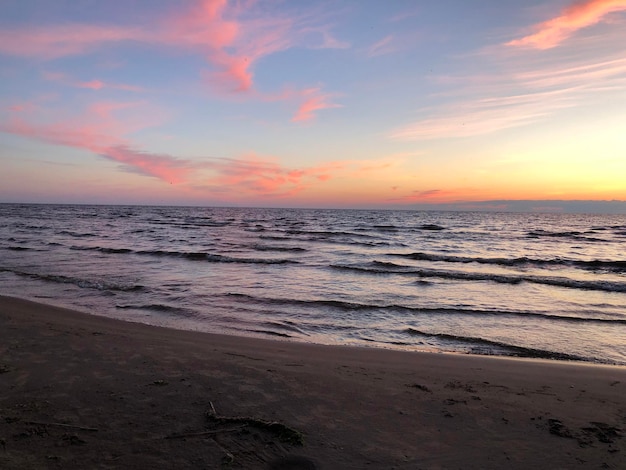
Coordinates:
367 104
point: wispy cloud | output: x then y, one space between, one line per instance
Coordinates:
99 85
590 74
263 176
91 84
328 40
55 41
249 175
430 196
254 176
219 30
577 16
104 128
527 89
165 167
314 100
403 15
230 42
101 131
21 107
484 116
382 47
232 37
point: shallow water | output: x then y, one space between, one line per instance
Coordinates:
538 285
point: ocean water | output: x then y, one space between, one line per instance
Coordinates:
535 285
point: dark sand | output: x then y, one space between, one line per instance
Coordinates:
81 391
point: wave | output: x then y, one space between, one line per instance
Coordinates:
327 233
386 228
572 234
278 248
485 346
353 306
321 303
206 222
267 332
605 286
82 283
394 228
192 256
329 239
27 228
336 237
157 307
434 227
102 249
287 326
192 222
593 265
614 228
338 240
213 258
162 308
76 234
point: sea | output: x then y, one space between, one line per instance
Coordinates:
550 286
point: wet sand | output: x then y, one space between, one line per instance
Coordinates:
82 391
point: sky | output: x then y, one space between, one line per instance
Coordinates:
483 104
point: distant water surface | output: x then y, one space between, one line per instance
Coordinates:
535 285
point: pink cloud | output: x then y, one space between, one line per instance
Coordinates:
52 42
314 100
264 177
205 28
430 195
165 167
22 107
234 74
231 40
308 100
100 132
201 26
232 37
99 84
253 176
256 40
91 85
575 17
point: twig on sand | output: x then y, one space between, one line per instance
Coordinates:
61 425
282 431
203 433
228 457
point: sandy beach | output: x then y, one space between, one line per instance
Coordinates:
82 391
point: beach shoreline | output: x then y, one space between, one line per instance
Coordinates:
86 391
